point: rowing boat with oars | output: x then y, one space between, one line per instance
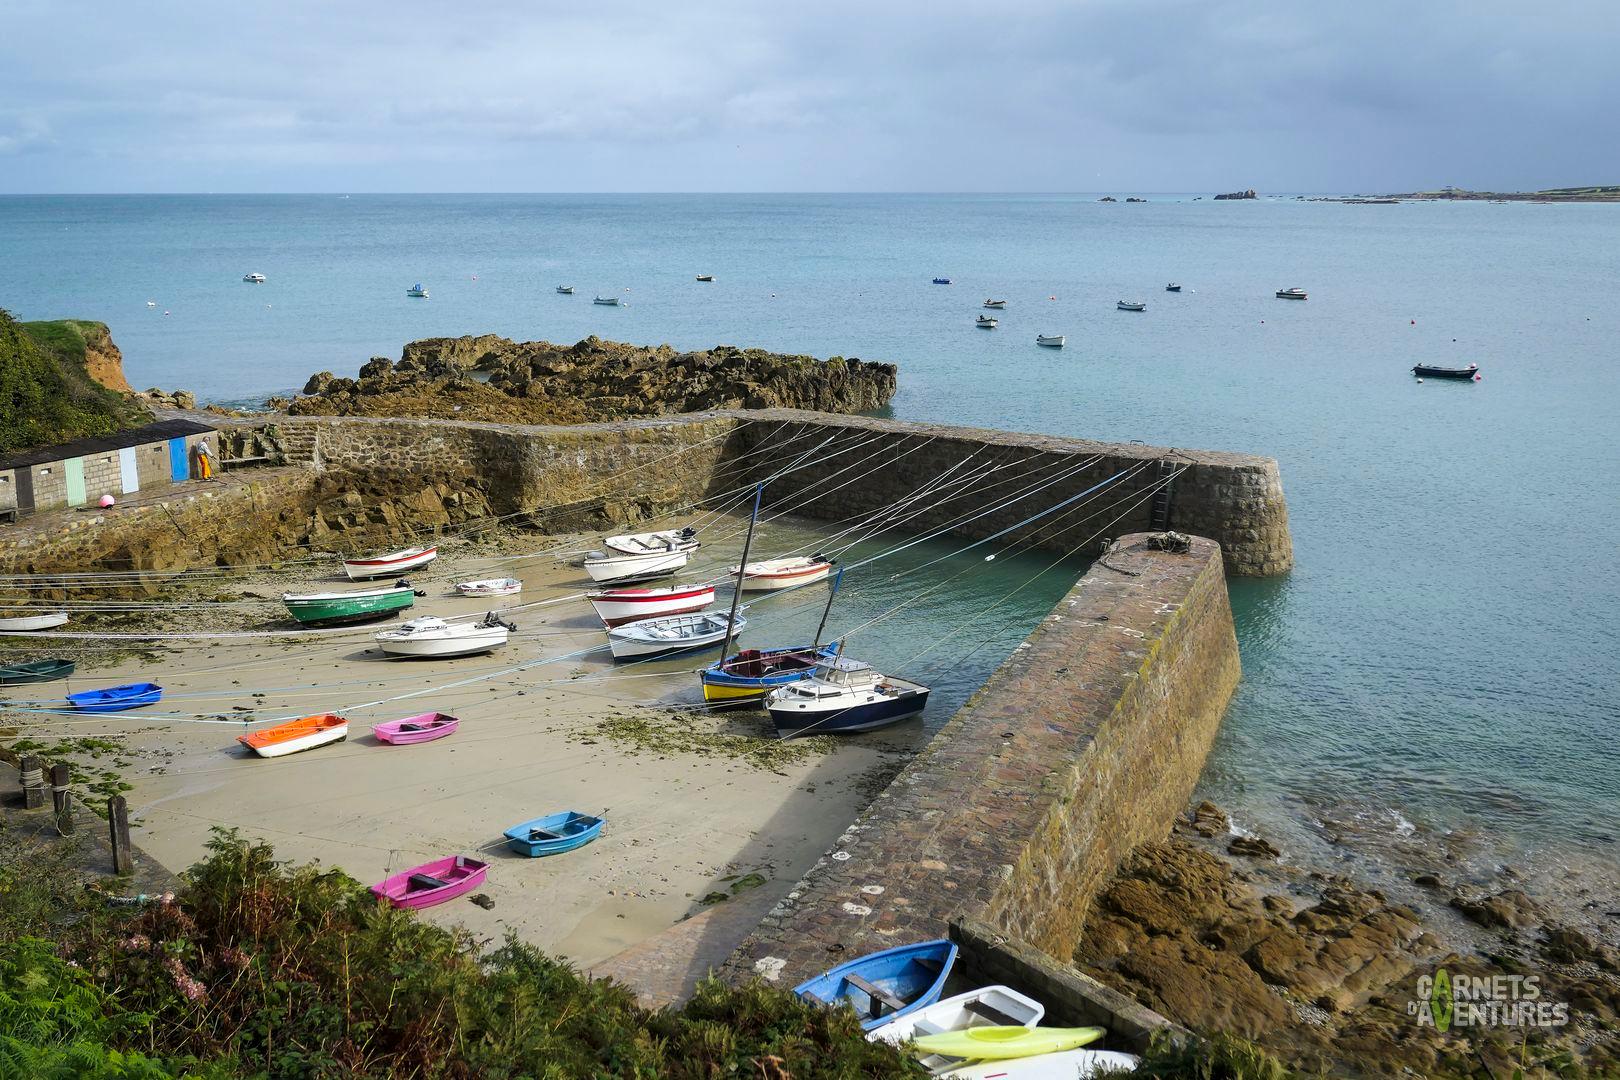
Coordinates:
395 562
305 733
340 608
36 671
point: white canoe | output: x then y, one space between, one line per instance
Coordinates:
1069 1065
395 562
676 633
616 566
615 607
504 586
429 636
770 574
44 621
976 1008
654 543
1054 341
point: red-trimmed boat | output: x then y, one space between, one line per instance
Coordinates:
395 562
615 607
771 574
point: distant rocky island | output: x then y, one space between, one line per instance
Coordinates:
492 378
1601 193
1249 194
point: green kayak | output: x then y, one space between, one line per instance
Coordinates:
35 671
1001 1043
337 608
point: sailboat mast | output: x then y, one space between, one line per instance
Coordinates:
742 568
822 625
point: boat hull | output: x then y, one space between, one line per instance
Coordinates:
430 726
116 698
915 974
343 610
730 687
565 832
648 639
972 1009
457 873
389 565
653 543
37 671
637 605
1424 371
1051 342
296 736
769 579
22 624
465 642
493 587
835 717
629 568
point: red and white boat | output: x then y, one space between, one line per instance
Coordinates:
772 574
615 607
395 562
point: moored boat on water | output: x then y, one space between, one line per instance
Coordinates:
509 586
843 695
35 671
1430 371
116 698
253 279
566 290
295 736
652 543
432 882
942 281
770 574
1295 293
553 834
607 301
884 986
676 633
616 607
338 608
1051 341
613 566
422 728
985 322
1131 305
1172 287
705 277
22 624
394 562
430 637
418 290
996 304
745 679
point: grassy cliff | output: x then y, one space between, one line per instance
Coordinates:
49 388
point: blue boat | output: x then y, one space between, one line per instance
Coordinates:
553 834
942 281
885 985
745 679
116 698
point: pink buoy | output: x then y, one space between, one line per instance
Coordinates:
107 501
1478 378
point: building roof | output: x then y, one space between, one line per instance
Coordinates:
161 431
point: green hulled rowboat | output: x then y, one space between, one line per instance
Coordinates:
338 608
35 671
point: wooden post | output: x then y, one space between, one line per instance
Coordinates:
33 783
118 823
61 777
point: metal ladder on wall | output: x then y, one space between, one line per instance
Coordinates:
1160 518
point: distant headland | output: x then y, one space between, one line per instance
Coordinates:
1601 193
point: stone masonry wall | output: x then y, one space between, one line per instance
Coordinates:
1086 742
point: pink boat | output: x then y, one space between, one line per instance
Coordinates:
432 883
416 729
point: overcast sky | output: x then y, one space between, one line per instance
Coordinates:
1091 95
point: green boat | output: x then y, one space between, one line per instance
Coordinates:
35 671
340 608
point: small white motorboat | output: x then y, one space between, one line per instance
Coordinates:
997 304
430 636
677 633
986 323
605 566
1067 1065
1295 293
649 543
566 290
253 279
986 1007
769 574
395 562
45 620
503 586
705 277
417 290
607 301
1132 305
615 607
843 695
1051 341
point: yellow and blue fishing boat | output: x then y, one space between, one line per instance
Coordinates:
745 679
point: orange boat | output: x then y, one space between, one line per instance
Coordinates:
305 733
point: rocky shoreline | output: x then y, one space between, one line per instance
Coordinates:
492 378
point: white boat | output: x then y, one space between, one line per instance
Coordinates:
986 323
1051 341
677 633
843 695
769 574
991 1005
430 636
1295 293
1068 1065
395 562
654 542
255 279
566 290
1132 305
997 304
46 620
615 607
500 586
417 290
608 301
605 566
705 277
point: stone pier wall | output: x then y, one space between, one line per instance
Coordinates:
1085 743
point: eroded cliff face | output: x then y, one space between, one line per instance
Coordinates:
102 360
537 382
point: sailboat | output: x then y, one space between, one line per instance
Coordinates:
745 679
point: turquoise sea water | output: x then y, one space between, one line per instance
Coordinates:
1447 652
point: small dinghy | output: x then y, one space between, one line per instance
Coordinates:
342 608
606 566
418 290
997 304
616 607
654 543
1051 341
566 290
1131 305
116 698
770 574
21 624
1000 1042
1296 293
416 729
843 695
36 671
884 986
1172 287
1422 371
253 279
553 834
607 301
430 637
395 562
433 882
502 586
988 1006
305 733
942 281
985 322
677 633
705 277
1069 1065
747 677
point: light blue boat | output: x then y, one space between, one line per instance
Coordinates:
554 834
884 985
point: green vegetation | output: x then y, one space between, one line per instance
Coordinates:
46 395
262 969
649 731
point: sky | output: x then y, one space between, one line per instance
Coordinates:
1089 95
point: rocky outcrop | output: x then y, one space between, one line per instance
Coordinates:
537 382
102 360
1249 194
175 399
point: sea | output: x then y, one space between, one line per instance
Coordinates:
1439 676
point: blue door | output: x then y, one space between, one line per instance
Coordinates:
179 463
